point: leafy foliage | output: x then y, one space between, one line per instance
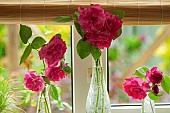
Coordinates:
26 53
38 42
166 84
84 49
54 92
25 33
8 101
63 19
119 33
95 52
59 35
119 13
3 72
67 70
76 15
79 29
141 72
154 97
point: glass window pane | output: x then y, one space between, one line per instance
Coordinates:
138 46
27 99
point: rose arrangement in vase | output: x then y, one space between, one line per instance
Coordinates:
146 87
54 66
97 29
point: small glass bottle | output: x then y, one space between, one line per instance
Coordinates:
148 105
98 99
43 105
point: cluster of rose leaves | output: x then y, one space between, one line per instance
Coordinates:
53 54
137 88
100 27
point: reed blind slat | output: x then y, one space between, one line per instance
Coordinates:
137 13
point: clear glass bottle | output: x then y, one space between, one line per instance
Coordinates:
148 105
98 99
43 104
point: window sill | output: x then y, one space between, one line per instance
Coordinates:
136 108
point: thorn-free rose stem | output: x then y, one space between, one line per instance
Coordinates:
99 70
39 100
151 106
142 106
46 107
97 80
102 87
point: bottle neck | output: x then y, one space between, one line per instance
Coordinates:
97 62
97 72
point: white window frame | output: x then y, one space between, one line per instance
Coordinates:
81 83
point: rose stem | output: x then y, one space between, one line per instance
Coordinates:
97 101
143 106
102 88
151 106
39 100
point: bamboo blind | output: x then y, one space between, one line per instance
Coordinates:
138 12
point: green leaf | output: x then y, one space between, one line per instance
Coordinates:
79 29
83 48
61 105
119 33
26 53
141 72
67 70
76 14
62 63
54 92
63 19
96 52
25 33
119 13
153 97
159 95
46 79
166 84
59 35
38 42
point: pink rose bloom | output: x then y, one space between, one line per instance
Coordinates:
92 19
33 81
136 88
55 73
99 40
112 25
53 52
154 76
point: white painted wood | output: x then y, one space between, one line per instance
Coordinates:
80 76
137 109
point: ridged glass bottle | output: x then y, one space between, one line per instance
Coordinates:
43 104
148 106
98 99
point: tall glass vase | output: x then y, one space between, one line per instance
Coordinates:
148 105
43 104
98 99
